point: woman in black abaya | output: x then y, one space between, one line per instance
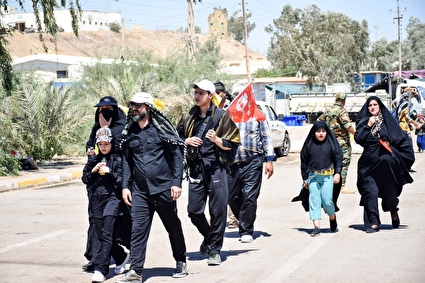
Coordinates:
383 165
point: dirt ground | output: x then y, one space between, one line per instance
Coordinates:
109 44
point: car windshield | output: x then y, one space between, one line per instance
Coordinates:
269 112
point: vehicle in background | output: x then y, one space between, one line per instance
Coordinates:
279 134
418 103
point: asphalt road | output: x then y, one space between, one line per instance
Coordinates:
43 235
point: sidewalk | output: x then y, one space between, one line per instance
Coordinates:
56 171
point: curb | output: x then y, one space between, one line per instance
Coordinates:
41 181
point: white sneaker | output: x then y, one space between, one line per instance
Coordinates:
119 269
182 270
98 276
246 239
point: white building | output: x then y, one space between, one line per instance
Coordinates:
62 68
89 20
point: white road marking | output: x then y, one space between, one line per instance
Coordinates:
35 240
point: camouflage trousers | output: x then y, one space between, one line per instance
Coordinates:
346 159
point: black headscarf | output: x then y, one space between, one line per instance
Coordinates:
336 159
330 139
116 126
400 143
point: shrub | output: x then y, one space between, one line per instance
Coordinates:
116 27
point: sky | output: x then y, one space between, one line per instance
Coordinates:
172 14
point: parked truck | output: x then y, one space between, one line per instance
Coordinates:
291 96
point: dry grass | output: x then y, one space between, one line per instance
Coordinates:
109 44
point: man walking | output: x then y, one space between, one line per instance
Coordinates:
247 171
153 161
211 137
339 122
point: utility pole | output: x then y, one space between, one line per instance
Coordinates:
376 32
191 28
245 35
399 17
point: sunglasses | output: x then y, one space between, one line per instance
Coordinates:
138 105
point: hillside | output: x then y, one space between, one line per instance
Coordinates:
108 44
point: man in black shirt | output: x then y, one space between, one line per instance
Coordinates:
211 143
153 161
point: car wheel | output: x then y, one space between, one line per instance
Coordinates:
286 145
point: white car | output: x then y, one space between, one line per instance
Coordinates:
280 136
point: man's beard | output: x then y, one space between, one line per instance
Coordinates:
140 116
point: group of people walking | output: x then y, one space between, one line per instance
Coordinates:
137 160
383 168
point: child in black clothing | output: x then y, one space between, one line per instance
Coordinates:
102 175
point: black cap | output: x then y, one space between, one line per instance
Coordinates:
107 100
219 86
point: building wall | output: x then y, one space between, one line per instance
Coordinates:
89 21
218 24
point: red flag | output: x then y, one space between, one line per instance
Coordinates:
243 107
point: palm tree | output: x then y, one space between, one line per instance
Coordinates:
48 118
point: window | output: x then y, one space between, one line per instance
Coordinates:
62 74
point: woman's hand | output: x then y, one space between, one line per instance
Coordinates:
371 121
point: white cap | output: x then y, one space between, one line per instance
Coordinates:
204 85
142 97
238 87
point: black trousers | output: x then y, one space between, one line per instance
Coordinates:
142 210
244 189
203 184
93 243
105 228
371 189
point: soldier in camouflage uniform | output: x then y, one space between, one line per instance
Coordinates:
339 122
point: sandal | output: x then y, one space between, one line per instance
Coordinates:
233 224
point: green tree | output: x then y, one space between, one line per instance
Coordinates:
9 138
48 118
44 15
324 46
413 49
166 79
383 56
115 27
289 71
235 26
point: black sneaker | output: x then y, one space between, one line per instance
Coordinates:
203 249
182 270
333 224
88 267
316 232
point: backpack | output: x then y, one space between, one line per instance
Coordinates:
394 111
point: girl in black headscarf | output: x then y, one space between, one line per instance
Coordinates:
383 165
321 165
108 113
